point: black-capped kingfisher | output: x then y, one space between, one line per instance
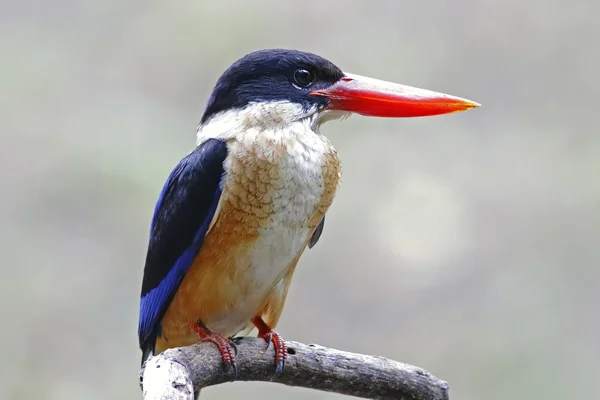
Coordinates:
236 213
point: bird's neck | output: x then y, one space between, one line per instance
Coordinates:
276 118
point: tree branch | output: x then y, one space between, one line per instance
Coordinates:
177 373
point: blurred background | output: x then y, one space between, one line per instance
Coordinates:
466 244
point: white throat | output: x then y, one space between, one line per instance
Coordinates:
276 116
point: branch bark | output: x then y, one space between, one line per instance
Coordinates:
179 373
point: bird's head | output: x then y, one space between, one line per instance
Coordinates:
277 87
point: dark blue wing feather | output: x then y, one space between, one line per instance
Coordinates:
317 234
183 213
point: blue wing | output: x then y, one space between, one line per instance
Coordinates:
317 234
183 213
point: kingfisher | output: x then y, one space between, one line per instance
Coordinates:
237 212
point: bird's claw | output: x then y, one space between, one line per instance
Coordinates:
228 352
227 365
234 346
280 351
226 347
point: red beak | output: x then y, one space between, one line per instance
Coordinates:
376 98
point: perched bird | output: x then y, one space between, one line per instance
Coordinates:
236 213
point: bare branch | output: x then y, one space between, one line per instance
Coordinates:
175 373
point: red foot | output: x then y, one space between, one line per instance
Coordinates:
226 347
272 337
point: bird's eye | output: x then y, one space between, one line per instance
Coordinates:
303 78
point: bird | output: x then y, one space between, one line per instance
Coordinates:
236 214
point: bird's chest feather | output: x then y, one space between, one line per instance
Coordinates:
277 189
